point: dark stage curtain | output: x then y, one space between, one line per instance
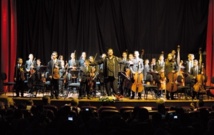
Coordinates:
93 26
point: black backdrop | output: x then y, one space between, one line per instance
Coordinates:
124 25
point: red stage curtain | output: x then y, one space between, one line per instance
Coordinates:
8 38
209 45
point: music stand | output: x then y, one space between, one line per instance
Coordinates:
40 85
10 84
74 75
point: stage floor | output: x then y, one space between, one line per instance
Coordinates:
180 100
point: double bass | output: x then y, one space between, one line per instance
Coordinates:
172 84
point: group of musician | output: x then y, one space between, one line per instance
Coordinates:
123 76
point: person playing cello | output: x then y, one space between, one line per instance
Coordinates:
137 71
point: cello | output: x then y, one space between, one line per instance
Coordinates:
200 78
137 85
171 85
199 86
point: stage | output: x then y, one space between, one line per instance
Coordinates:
150 101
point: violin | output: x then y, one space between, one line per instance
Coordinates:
127 80
56 74
32 70
92 76
22 73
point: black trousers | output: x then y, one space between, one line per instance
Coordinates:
195 95
19 87
55 88
169 95
111 83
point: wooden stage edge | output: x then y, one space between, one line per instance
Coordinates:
122 102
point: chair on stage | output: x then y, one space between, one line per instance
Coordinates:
71 87
72 82
8 84
187 88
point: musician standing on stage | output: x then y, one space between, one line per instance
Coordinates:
84 78
39 74
92 62
19 77
170 67
62 72
137 68
54 66
160 67
94 72
110 71
30 64
100 77
195 71
30 72
123 66
63 64
160 78
127 81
